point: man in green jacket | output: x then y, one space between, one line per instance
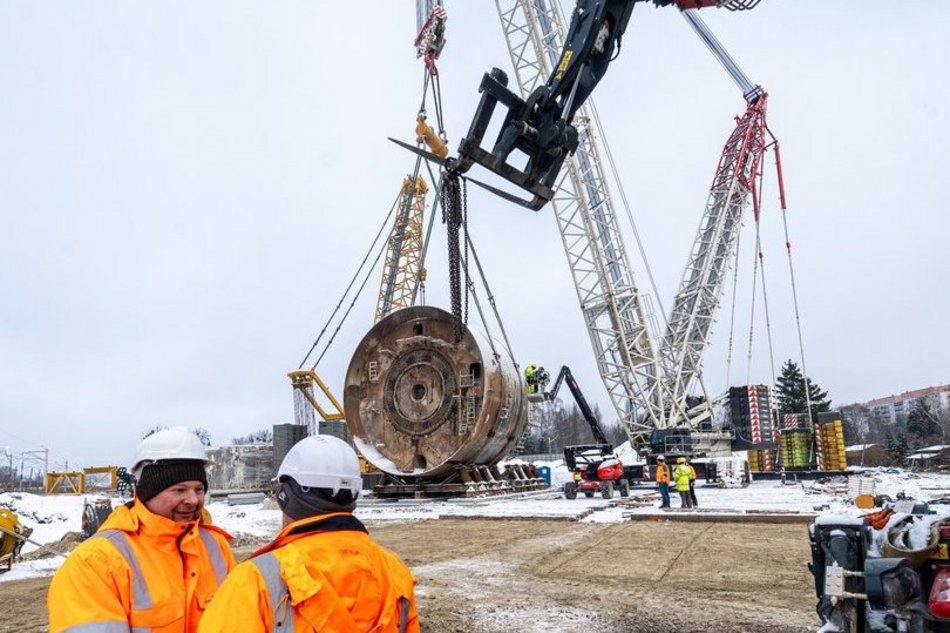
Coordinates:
681 476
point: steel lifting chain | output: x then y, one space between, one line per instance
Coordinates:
469 288
452 216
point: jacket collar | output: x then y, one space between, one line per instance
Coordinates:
332 522
137 518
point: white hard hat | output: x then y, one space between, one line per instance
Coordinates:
659 457
176 442
322 461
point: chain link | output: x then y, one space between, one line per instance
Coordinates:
452 215
469 288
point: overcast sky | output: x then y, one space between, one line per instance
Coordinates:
187 188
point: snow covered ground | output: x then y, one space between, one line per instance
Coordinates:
53 516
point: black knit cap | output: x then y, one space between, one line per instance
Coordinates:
166 473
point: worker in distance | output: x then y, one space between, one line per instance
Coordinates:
156 562
322 572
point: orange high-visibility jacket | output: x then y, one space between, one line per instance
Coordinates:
322 573
662 474
140 572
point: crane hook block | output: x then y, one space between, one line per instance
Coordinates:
426 134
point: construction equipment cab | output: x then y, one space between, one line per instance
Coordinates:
595 468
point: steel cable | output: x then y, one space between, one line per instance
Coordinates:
491 301
425 243
352 281
369 272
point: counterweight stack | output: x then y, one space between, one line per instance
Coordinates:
422 406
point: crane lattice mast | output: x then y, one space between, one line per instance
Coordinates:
734 185
695 305
648 390
614 312
402 267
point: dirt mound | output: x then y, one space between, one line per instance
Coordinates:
63 546
244 541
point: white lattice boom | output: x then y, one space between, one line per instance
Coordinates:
695 305
613 311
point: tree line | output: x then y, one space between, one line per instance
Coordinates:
924 423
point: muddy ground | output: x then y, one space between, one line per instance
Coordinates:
491 576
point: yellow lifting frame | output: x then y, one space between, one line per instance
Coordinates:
74 481
304 380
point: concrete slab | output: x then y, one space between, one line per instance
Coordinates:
711 517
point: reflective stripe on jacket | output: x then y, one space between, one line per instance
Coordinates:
682 476
140 573
323 574
662 474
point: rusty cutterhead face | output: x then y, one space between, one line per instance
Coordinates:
418 401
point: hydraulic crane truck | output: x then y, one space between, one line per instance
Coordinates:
596 467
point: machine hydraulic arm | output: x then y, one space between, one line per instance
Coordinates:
565 376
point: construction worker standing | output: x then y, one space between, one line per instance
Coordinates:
156 562
323 572
692 483
681 475
530 375
663 481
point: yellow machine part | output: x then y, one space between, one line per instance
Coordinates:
10 522
425 134
365 466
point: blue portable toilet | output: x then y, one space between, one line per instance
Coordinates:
545 472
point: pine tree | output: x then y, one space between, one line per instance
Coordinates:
902 448
790 391
897 446
922 421
891 444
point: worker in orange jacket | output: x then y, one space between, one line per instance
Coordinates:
323 572
663 481
155 563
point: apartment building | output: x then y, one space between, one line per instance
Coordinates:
894 409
